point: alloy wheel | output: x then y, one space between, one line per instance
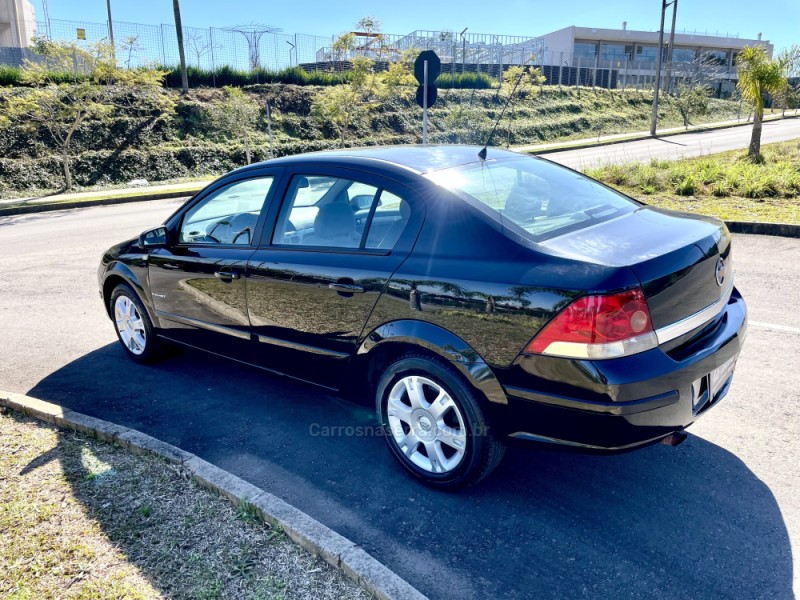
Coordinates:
130 325
427 424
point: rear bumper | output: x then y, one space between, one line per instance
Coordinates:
623 403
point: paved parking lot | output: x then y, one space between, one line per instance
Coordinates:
717 517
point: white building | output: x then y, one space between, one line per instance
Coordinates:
17 23
632 54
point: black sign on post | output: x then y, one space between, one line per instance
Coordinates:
434 66
432 95
426 69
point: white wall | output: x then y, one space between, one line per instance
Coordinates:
556 43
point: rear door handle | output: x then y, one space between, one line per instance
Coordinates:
346 288
226 275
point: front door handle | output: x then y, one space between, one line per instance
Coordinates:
346 288
226 275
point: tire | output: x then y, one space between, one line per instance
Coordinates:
135 331
447 422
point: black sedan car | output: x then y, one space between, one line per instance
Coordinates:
477 297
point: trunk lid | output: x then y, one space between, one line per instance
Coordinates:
682 261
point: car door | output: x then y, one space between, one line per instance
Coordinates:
338 236
197 282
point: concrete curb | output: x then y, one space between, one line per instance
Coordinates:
43 207
309 533
779 229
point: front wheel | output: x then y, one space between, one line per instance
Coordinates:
134 328
434 425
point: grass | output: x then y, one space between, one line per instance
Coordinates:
84 519
726 185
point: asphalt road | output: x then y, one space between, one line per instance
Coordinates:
676 146
715 517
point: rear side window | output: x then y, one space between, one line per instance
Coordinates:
389 221
538 197
332 212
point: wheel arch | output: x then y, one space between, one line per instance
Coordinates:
120 273
396 338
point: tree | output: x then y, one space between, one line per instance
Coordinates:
235 117
343 46
399 75
691 100
789 95
176 8
132 46
344 105
200 44
368 24
758 75
63 109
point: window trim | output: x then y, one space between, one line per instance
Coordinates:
354 175
175 221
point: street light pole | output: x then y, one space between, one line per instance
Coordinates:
654 114
463 49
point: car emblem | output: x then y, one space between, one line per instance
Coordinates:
719 274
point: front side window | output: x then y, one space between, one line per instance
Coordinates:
228 215
535 197
333 212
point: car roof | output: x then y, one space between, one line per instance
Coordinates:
417 158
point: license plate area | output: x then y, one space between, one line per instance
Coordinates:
706 390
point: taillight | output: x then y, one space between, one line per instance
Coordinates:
597 327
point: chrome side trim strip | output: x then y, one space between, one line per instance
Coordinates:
244 335
701 317
303 347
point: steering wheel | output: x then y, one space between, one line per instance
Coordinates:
214 228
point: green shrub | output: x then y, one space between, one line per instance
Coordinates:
9 75
477 81
686 186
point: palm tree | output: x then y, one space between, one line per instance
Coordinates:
176 8
758 75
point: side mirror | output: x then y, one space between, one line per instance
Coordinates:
153 238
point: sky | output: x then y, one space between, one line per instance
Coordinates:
779 20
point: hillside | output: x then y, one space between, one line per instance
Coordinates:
127 147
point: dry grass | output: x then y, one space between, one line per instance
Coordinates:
84 519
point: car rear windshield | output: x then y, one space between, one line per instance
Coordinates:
534 197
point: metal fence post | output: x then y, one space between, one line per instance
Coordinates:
213 60
163 47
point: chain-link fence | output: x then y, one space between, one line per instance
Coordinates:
252 47
247 48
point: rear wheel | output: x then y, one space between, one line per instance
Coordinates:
434 425
134 328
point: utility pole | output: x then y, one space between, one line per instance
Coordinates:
176 9
654 115
671 48
110 32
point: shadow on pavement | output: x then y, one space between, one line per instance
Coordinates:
662 522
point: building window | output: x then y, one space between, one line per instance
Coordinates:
684 55
585 50
649 54
616 52
715 57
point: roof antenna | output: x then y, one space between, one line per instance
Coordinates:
482 152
